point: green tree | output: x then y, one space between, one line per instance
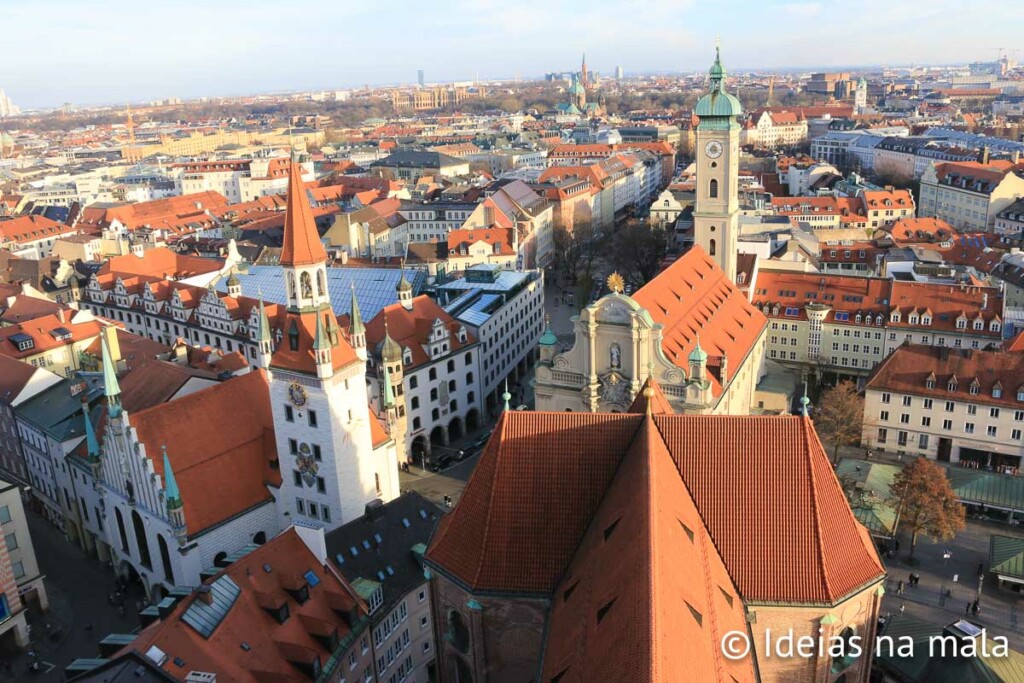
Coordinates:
926 503
839 416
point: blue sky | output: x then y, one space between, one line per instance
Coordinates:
103 51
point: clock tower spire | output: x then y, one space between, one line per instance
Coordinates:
716 212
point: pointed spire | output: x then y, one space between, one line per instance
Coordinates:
804 402
321 341
111 388
91 441
301 245
506 397
389 394
172 495
391 350
355 317
264 333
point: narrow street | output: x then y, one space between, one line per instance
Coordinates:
79 615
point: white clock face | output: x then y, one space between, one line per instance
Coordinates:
713 149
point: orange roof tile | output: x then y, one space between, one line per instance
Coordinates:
221 472
777 516
693 296
648 565
412 328
31 228
946 303
161 262
246 621
301 243
302 358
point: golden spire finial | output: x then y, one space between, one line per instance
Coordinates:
615 283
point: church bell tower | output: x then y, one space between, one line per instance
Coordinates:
716 211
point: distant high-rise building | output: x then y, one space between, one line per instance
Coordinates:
7 108
618 73
419 78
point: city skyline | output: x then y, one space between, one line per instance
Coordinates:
317 49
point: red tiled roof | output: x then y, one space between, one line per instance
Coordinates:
43 331
14 376
841 293
161 262
648 555
301 244
412 328
920 229
909 367
303 358
25 308
946 303
693 296
763 486
220 472
503 237
246 621
30 229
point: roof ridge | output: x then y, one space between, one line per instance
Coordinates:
650 431
500 428
805 424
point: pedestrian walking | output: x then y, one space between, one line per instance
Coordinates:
903 607
899 587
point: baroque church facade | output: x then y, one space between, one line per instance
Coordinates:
690 328
171 491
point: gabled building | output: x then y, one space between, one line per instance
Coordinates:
952 405
664 542
32 236
970 194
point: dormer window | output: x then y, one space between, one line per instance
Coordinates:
951 387
1020 394
961 324
926 320
407 357
994 326
997 392
895 318
929 383
912 320
979 325
974 389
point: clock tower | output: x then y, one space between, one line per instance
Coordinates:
332 462
716 212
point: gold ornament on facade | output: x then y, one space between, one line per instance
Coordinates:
615 283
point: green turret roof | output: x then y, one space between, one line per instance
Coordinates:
356 317
389 394
321 342
548 338
264 334
172 494
233 280
698 355
576 88
718 102
390 350
90 434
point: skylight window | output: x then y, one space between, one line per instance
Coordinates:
311 578
405 522
354 550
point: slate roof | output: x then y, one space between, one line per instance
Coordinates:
404 527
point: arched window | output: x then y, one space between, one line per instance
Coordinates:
165 559
140 540
713 189
321 283
291 285
306 283
219 559
711 248
260 538
458 631
121 529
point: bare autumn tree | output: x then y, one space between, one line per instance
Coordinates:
839 416
926 503
637 252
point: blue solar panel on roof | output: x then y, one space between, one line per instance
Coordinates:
311 578
375 287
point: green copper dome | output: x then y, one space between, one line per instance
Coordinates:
718 103
548 338
390 350
698 355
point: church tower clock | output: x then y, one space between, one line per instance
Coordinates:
716 212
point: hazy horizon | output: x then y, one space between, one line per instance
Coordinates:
112 51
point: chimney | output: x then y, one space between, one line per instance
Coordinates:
724 370
205 593
60 315
343 257
984 301
983 156
1015 156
